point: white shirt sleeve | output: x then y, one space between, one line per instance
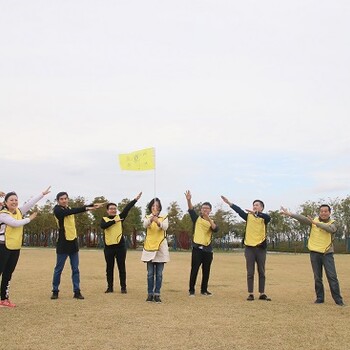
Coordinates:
146 222
30 203
10 221
164 224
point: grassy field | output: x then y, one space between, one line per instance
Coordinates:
125 321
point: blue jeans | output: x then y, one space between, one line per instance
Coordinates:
154 272
74 263
318 261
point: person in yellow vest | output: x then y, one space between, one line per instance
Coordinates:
11 236
155 248
202 250
255 244
115 247
67 242
320 245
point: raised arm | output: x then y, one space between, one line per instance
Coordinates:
32 201
127 208
236 208
189 199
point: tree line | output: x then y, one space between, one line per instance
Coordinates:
283 233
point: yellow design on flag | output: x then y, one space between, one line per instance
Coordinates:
139 160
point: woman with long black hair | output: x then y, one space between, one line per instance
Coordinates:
11 236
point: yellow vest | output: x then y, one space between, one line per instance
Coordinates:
13 235
154 236
113 234
202 232
255 231
320 240
70 230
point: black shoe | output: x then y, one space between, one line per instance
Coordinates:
340 303
264 297
78 295
54 295
123 291
207 293
250 297
109 290
157 299
149 298
319 301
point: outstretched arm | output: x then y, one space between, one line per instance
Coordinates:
26 206
236 208
301 218
226 200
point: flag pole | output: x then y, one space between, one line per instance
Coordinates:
155 173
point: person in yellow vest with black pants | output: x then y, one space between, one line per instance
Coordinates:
115 248
320 245
67 242
255 244
202 250
155 248
11 236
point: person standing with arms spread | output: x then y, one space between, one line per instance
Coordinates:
255 244
67 242
115 248
11 236
320 245
155 249
202 250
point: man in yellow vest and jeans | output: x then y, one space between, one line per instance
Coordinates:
320 245
67 242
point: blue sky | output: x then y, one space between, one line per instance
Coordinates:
247 99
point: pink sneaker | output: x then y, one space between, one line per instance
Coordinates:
7 303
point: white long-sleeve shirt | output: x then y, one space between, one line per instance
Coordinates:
6 219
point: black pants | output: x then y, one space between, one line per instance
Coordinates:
113 254
200 257
8 262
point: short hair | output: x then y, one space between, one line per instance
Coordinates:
259 201
9 195
208 204
61 194
150 204
110 204
326 206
